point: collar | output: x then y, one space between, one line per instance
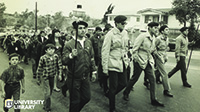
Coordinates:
163 37
149 36
79 39
117 31
184 36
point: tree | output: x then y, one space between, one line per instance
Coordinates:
30 21
42 22
58 19
109 11
2 20
23 18
187 11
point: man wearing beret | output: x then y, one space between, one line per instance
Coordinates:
114 53
181 51
160 57
142 51
80 62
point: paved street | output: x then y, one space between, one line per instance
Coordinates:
184 100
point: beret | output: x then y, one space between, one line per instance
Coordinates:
75 24
98 29
151 24
55 30
162 28
50 45
183 29
107 27
13 55
120 18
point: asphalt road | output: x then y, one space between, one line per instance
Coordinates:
184 100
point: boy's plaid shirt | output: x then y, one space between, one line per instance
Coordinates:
49 66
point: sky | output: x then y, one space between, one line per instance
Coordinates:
93 8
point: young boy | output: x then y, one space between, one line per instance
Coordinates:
49 65
11 78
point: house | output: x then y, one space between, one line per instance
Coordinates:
158 15
133 19
141 18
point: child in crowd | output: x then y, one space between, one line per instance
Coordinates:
11 79
49 65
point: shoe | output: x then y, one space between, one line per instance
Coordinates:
167 93
56 90
125 97
187 85
156 103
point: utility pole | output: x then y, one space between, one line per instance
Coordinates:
35 16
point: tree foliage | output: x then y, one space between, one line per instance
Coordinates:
2 19
186 10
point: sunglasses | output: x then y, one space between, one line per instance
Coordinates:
81 28
123 23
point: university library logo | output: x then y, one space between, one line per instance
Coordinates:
9 103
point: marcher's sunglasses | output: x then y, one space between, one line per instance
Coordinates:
81 28
123 23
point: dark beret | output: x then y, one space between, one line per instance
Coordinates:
98 28
75 24
42 32
55 30
162 28
13 55
151 24
107 27
183 29
49 46
120 18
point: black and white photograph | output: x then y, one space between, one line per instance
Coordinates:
99 55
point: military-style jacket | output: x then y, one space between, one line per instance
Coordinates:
84 62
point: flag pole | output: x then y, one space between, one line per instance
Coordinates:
191 52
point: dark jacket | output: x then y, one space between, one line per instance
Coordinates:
84 62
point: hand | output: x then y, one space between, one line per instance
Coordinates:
23 90
93 79
105 72
74 52
59 77
64 67
177 59
192 43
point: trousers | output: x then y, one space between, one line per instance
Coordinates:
161 68
180 66
80 93
149 72
12 90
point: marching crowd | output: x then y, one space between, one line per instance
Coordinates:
78 57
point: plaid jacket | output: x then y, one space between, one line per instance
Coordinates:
49 66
